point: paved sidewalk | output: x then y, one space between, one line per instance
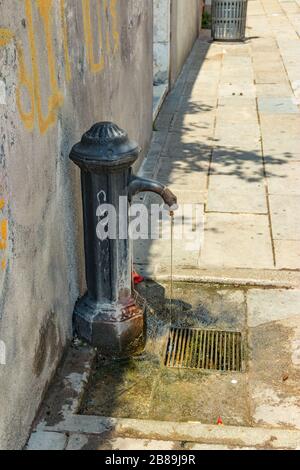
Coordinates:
228 137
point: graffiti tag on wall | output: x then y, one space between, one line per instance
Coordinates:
30 75
3 235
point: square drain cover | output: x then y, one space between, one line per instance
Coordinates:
191 348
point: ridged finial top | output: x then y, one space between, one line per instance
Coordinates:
105 145
104 133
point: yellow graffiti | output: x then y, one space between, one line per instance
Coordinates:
5 36
95 67
107 26
110 10
3 234
65 40
55 99
113 13
25 82
30 81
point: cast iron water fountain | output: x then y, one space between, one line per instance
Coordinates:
110 316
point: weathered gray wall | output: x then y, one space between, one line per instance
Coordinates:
161 41
185 26
58 76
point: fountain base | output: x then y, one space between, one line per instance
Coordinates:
116 331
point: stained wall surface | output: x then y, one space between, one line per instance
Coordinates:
185 26
161 41
64 64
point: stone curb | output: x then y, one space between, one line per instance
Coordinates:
185 432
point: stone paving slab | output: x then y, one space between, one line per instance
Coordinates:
191 197
240 89
280 125
233 240
47 441
203 123
202 108
283 178
264 44
274 390
255 8
274 146
273 105
265 306
242 141
278 76
245 165
290 7
231 193
90 442
244 79
285 217
274 356
261 59
187 147
274 90
287 254
230 132
192 179
235 114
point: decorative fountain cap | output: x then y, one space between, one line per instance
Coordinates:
105 146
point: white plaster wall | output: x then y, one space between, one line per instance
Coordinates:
186 16
161 41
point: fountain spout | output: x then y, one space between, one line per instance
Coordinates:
138 185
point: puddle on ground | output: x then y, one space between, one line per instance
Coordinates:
143 388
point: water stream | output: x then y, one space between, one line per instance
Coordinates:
171 266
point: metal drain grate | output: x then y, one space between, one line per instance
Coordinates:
189 348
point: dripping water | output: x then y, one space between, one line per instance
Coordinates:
171 265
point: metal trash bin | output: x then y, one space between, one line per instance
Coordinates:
229 19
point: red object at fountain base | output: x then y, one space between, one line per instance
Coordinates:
137 279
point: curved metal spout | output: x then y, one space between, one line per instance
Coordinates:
140 185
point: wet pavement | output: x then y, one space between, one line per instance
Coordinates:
265 393
97 403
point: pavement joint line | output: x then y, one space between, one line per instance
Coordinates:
235 213
212 149
223 280
266 184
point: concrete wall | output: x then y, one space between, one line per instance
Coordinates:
161 41
185 26
64 64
